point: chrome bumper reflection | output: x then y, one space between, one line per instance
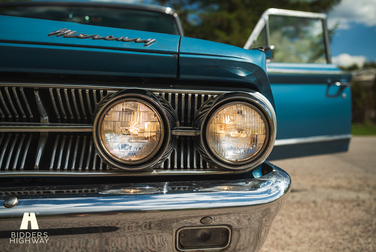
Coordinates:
147 217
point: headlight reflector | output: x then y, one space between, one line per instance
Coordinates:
131 131
236 132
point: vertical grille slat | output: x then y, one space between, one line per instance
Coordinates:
62 145
75 153
54 152
26 151
11 103
68 104
4 147
54 105
82 154
26 104
75 105
82 104
89 154
5 106
11 151
60 100
18 152
18 103
68 153
89 103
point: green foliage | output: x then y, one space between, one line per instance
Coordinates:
232 21
359 100
363 129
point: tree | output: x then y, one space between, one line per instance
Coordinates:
232 21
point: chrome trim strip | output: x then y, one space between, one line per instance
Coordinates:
185 131
52 127
109 88
315 139
302 71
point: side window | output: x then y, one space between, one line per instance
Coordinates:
297 39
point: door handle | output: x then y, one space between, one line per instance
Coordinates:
341 84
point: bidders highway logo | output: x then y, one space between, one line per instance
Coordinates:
29 237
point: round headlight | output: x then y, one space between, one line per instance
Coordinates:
236 132
131 130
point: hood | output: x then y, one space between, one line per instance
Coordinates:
44 46
226 64
35 45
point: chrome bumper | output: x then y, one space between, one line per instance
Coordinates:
147 217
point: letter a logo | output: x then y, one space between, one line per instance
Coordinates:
25 221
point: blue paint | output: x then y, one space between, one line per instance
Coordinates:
26 47
306 105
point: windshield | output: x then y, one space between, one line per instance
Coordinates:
143 20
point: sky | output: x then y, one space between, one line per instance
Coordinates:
355 38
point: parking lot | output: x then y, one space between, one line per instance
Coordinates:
332 204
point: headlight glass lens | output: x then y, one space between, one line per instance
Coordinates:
131 131
236 132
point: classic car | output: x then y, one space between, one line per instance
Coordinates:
117 133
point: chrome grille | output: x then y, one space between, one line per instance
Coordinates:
52 105
53 152
75 152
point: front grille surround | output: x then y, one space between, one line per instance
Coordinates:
57 122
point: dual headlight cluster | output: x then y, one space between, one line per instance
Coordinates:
133 130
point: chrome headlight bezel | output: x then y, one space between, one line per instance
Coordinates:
153 103
256 101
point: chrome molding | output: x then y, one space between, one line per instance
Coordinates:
74 34
303 71
45 127
315 139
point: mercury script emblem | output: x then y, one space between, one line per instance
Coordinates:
74 34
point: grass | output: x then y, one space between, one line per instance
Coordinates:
366 129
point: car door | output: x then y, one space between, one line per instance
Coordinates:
312 96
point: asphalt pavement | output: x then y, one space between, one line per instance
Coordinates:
332 204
